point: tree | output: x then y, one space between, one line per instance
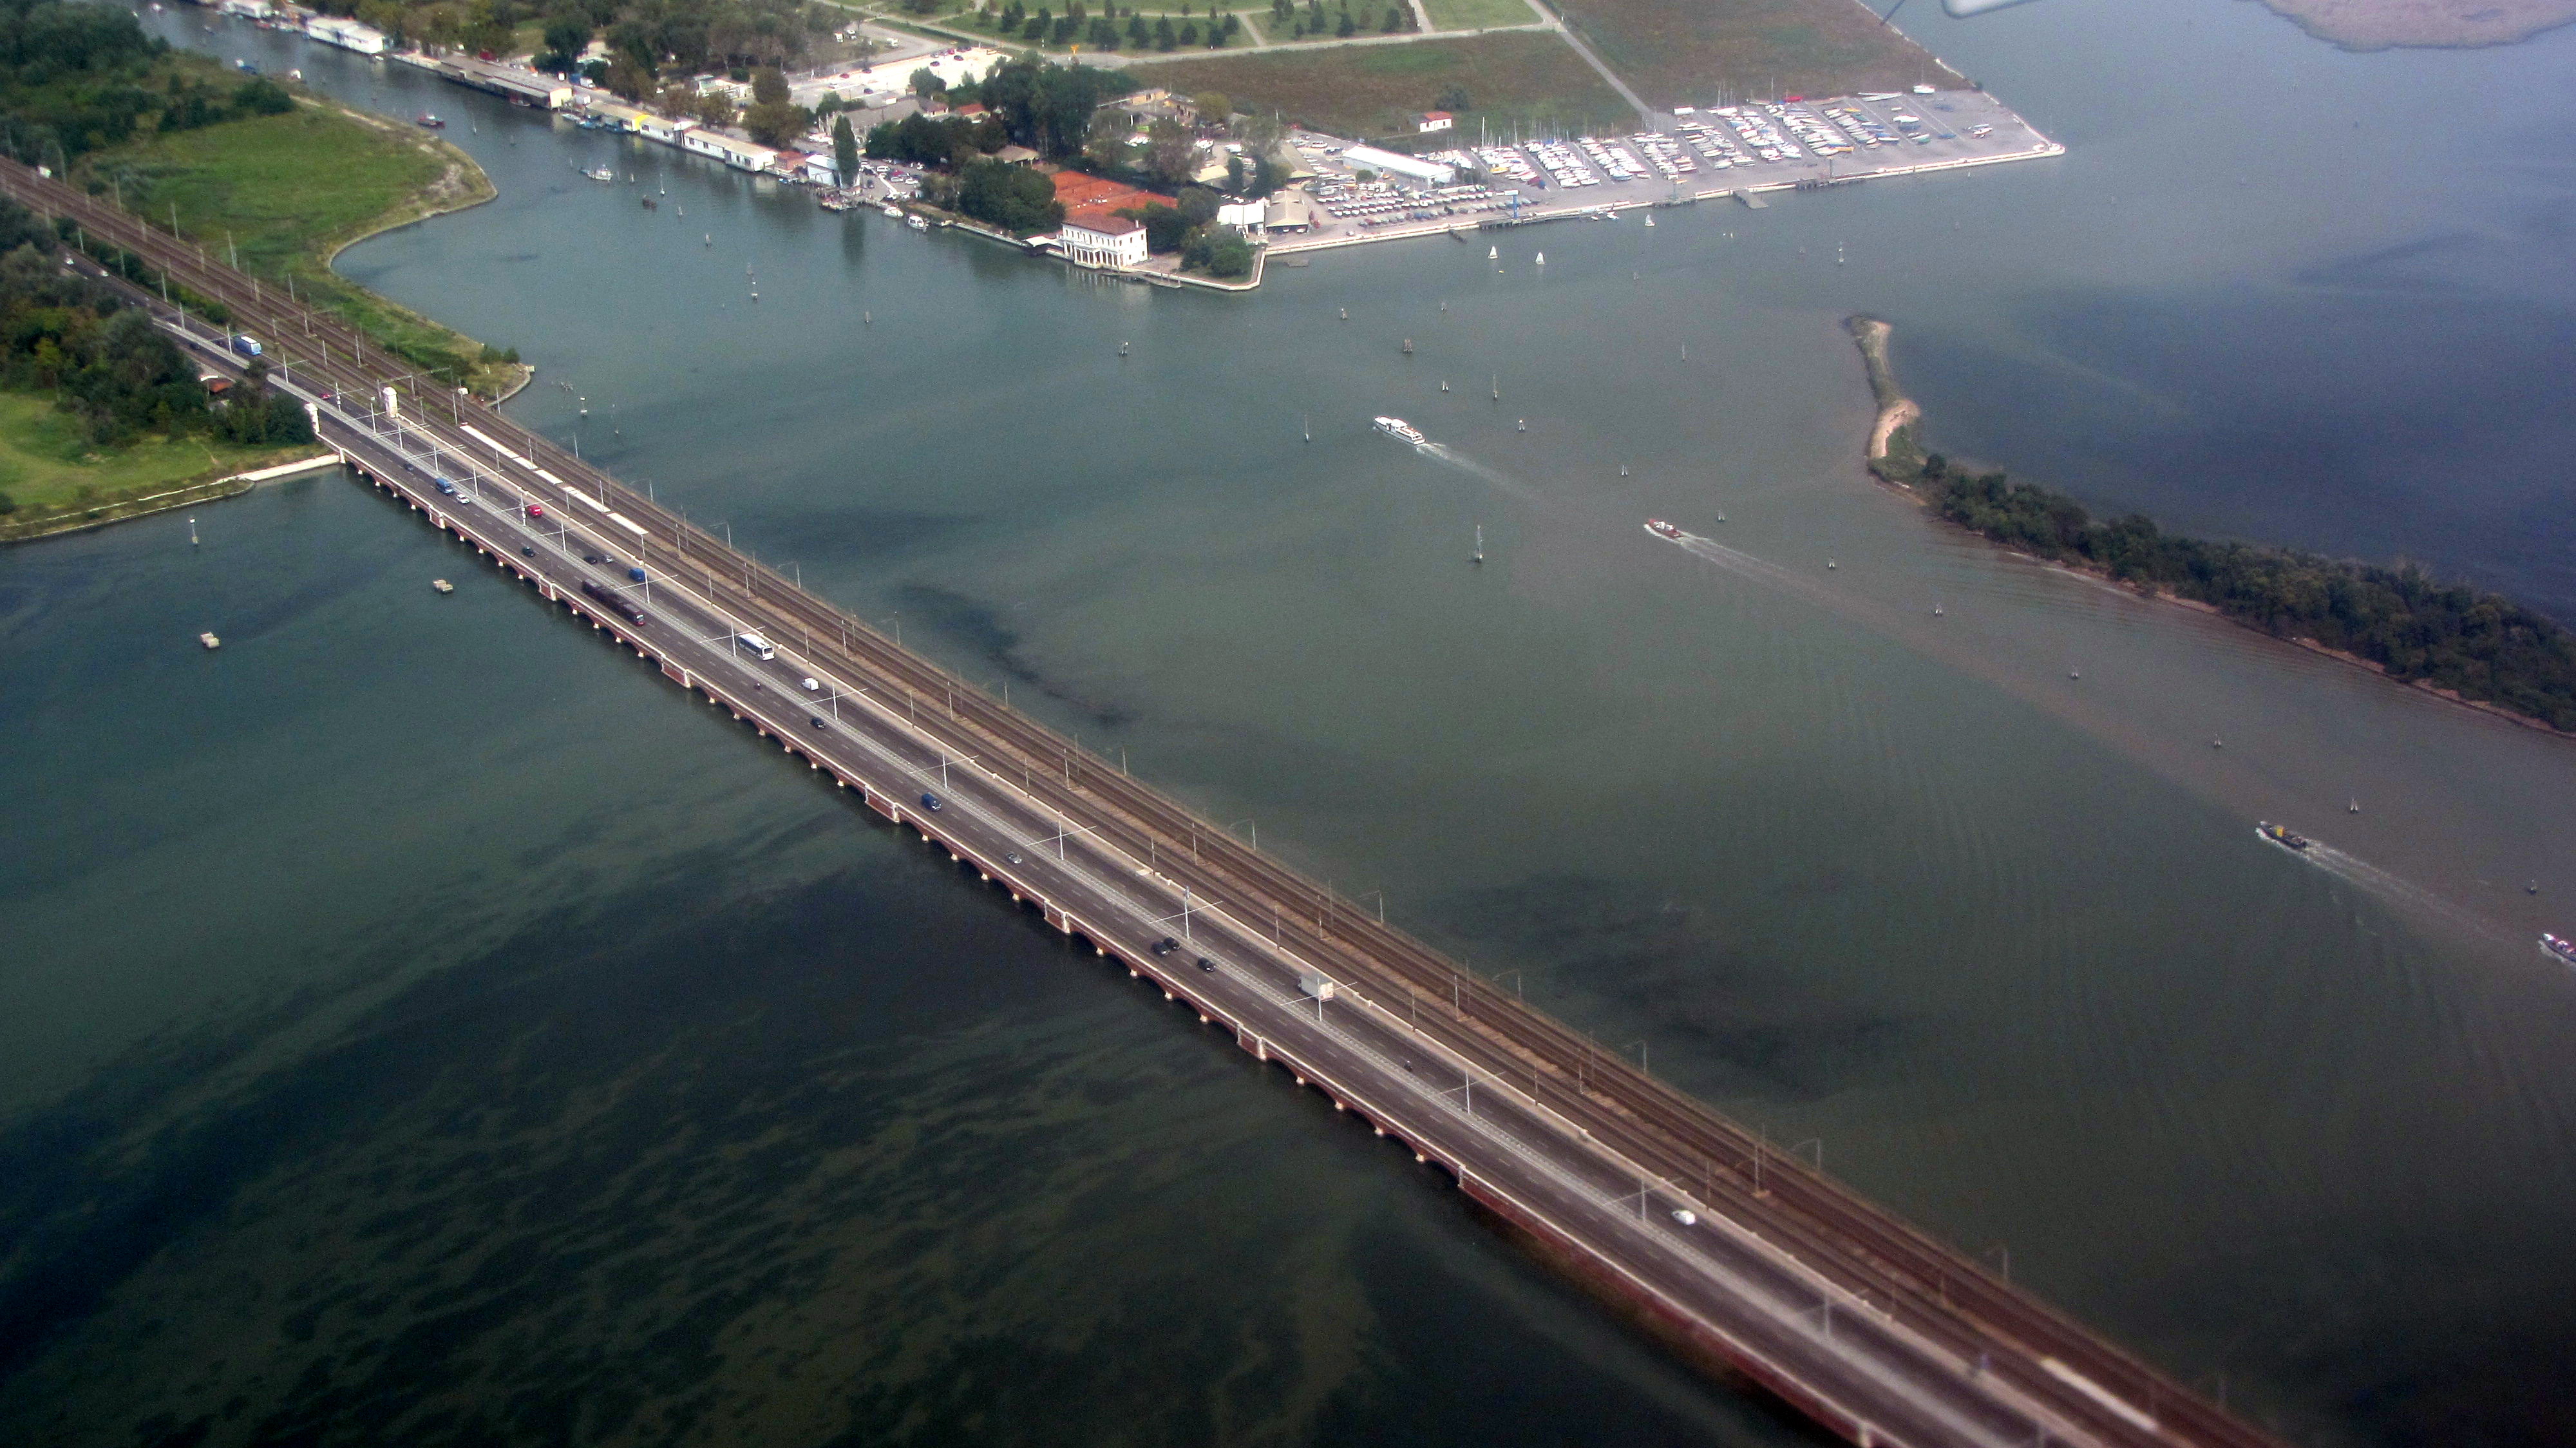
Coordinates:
716 109
845 150
567 35
1164 228
1136 32
1014 198
1170 154
1454 99
628 80
1346 28
769 86
1164 39
926 83
1394 20
1212 107
775 123
1189 32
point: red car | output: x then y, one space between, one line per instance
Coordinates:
536 510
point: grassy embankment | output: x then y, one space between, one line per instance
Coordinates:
287 193
2475 648
58 482
1479 14
1514 78
1693 52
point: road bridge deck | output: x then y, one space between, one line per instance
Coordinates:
1742 1256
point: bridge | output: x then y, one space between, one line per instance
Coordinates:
1748 1262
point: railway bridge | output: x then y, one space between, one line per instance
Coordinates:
1742 1259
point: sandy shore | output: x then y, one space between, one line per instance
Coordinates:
2382 24
1896 410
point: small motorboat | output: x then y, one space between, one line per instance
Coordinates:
428 120
1662 529
2281 836
210 641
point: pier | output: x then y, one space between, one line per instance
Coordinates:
1745 1260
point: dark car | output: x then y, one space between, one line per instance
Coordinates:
528 551
1011 855
1166 945
1207 964
590 558
930 801
816 721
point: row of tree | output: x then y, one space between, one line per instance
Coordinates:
77 77
104 362
1312 20
2479 645
1102 32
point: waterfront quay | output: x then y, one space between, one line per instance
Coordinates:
1746 1261
1742 151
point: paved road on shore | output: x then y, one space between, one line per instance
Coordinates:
1874 1329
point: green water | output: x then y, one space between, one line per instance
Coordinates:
423 1026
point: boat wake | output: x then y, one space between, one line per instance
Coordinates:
1461 461
2409 896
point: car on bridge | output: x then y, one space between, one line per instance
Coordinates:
930 801
1166 945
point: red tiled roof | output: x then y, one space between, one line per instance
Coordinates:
1102 219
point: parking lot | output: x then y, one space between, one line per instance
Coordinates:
1699 153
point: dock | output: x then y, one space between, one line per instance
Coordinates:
1744 1260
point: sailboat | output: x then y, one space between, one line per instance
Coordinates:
1650 221
1480 545
1623 470
1524 427
1408 346
1306 425
2355 806
1444 386
1498 387
1542 258
1493 253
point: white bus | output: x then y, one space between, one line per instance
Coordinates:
758 647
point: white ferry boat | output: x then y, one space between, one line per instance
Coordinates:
2565 950
1401 430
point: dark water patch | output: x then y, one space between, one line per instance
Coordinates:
979 627
1634 961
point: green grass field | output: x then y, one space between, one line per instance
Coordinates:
284 192
49 470
1522 78
1694 52
1478 14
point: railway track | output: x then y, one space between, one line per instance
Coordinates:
1900 1271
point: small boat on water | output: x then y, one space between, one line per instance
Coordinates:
2565 950
600 173
1401 430
441 585
2281 836
916 223
428 121
1662 529
210 641
894 211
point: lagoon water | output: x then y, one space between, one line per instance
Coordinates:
416 1026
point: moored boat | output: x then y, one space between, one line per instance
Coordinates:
2282 836
1401 430
1662 529
428 120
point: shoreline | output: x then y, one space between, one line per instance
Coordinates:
201 489
2364 26
1892 429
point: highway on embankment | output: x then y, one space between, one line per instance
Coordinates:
1741 1259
